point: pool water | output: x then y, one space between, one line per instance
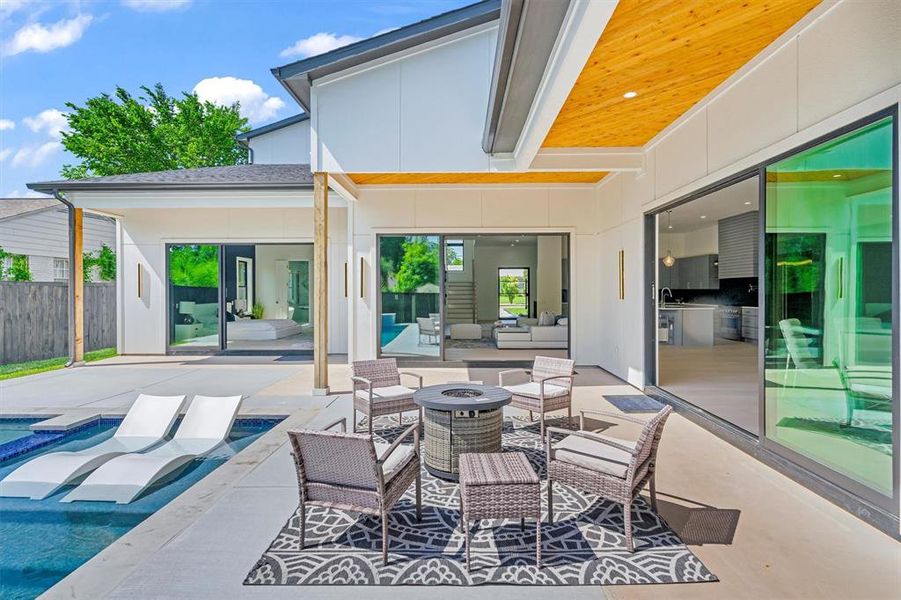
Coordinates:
42 541
390 332
13 429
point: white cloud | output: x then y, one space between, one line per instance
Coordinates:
40 38
156 5
28 194
7 124
256 104
35 156
8 7
318 43
4 154
50 121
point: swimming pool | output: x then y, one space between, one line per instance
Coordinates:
13 429
45 540
390 332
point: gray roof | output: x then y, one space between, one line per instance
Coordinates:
297 76
212 178
243 137
14 207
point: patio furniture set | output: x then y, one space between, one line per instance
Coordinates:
462 423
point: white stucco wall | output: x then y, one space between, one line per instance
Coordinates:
288 145
145 233
423 110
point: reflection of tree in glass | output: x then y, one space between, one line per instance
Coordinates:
418 266
194 266
801 269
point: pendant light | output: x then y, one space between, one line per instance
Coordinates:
669 260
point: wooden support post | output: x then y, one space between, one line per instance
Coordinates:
320 284
77 283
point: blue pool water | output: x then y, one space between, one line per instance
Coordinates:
42 541
13 429
390 332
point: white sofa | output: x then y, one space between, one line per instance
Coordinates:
532 336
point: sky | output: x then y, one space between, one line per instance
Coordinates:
59 51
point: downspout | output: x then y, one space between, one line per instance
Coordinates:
71 209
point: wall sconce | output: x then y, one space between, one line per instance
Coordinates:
345 279
622 275
140 281
362 274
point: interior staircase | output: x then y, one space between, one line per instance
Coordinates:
460 302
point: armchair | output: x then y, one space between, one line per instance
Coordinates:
350 471
378 390
547 387
613 468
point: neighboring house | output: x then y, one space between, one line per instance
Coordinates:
38 229
595 122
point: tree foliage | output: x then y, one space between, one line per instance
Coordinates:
510 287
120 134
103 261
418 266
194 266
19 270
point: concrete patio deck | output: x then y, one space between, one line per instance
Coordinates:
788 543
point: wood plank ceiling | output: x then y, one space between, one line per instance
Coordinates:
672 53
476 178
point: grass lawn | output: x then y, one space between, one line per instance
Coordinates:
49 364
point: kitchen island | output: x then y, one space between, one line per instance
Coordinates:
686 324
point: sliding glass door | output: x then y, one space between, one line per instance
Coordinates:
193 279
828 311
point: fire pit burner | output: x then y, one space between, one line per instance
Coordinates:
462 393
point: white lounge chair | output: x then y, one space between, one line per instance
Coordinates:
147 423
205 426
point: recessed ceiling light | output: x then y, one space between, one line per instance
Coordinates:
703 216
748 203
630 94
837 175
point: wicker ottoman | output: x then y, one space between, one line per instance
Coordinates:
499 486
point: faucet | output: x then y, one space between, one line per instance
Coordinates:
664 292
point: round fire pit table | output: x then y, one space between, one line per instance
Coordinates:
459 418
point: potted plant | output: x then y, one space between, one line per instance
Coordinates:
257 312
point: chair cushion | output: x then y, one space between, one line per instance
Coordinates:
594 456
532 390
384 394
397 461
876 392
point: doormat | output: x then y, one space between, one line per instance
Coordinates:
635 403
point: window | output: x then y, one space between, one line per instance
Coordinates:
453 251
829 339
513 292
61 269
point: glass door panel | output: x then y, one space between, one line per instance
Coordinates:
193 278
409 288
828 310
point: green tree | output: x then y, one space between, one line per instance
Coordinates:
509 287
19 270
3 255
105 262
194 266
418 266
120 134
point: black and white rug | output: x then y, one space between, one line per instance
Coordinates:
585 545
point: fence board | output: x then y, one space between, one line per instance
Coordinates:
34 322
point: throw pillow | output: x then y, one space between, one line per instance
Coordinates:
546 319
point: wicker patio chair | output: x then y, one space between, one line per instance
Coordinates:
547 387
428 329
613 468
349 471
378 390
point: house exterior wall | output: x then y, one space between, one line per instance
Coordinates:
422 110
569 209
834 71
288 145
145 233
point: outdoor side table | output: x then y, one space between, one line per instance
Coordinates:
458 418
499 486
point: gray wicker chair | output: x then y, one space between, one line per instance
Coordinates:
349 471
613 468
547 387
378 390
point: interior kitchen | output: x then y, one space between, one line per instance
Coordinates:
707 317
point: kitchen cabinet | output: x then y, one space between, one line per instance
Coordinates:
690 273
738 246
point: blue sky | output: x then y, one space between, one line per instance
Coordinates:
68 50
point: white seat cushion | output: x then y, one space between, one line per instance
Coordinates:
532 390
397 461
594 456
391 392
876 392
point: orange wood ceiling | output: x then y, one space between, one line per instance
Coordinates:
476 178
673 53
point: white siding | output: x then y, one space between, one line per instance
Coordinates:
423 111
288 145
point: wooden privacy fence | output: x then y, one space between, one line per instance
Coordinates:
34 320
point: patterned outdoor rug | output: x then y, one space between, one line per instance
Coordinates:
585 546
